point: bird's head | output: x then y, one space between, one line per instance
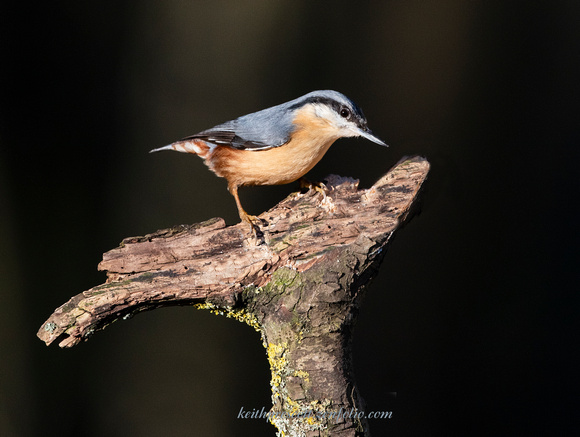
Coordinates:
334 112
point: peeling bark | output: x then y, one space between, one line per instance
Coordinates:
300 287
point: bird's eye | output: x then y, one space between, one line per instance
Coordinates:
344 112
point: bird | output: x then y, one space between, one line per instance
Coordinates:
277 145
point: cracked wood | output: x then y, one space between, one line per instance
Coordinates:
210 262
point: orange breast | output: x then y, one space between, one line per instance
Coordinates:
279 165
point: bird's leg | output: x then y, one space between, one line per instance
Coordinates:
251 219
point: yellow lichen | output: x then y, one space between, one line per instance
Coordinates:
302 374
241 315
276 358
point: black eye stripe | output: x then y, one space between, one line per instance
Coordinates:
354 113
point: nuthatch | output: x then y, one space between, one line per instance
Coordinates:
277 145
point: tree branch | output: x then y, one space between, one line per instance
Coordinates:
300 288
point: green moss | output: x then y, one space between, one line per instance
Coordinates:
282 279
145 277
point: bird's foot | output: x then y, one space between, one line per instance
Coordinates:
255 223
319 187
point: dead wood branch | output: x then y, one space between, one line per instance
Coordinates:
301 288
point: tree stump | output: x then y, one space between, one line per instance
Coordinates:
300 287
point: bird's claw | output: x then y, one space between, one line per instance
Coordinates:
316 186
255 223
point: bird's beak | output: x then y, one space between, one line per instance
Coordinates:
366 133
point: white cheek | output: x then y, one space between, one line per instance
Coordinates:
344 127
329 115
325 112
353 131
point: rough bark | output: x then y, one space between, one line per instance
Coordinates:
300 287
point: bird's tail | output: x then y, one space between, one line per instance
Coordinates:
197 147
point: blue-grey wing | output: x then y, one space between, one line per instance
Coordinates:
257 131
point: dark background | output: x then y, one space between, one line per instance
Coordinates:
473 319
